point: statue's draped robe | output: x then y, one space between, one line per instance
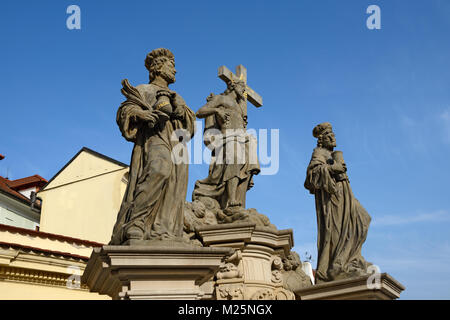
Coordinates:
156 191
234 156
342 222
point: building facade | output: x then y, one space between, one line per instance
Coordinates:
46 241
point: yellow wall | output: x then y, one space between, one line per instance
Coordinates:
83 200
85 165
29 291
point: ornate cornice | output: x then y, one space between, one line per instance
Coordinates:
38 277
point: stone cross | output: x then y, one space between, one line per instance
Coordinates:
241 73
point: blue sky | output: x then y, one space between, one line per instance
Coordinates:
386 92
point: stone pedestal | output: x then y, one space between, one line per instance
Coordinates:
378 287
156 271
254 271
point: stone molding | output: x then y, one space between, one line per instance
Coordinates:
238 234
35 276
157 271
354 289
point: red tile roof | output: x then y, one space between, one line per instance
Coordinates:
28 182
5 188
12 187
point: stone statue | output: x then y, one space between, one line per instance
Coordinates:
341 220
234 160
153 204
294 278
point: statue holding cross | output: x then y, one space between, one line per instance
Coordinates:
241 74
234 152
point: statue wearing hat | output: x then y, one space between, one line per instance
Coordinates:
342 221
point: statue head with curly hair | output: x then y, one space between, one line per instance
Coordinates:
161 63
325 136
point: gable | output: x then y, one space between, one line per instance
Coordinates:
86 164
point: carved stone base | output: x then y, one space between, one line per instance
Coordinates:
379 287
154 271
255 270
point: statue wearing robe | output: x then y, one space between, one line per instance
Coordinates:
153 204
342 222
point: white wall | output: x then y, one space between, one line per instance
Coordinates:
17 214
27 192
